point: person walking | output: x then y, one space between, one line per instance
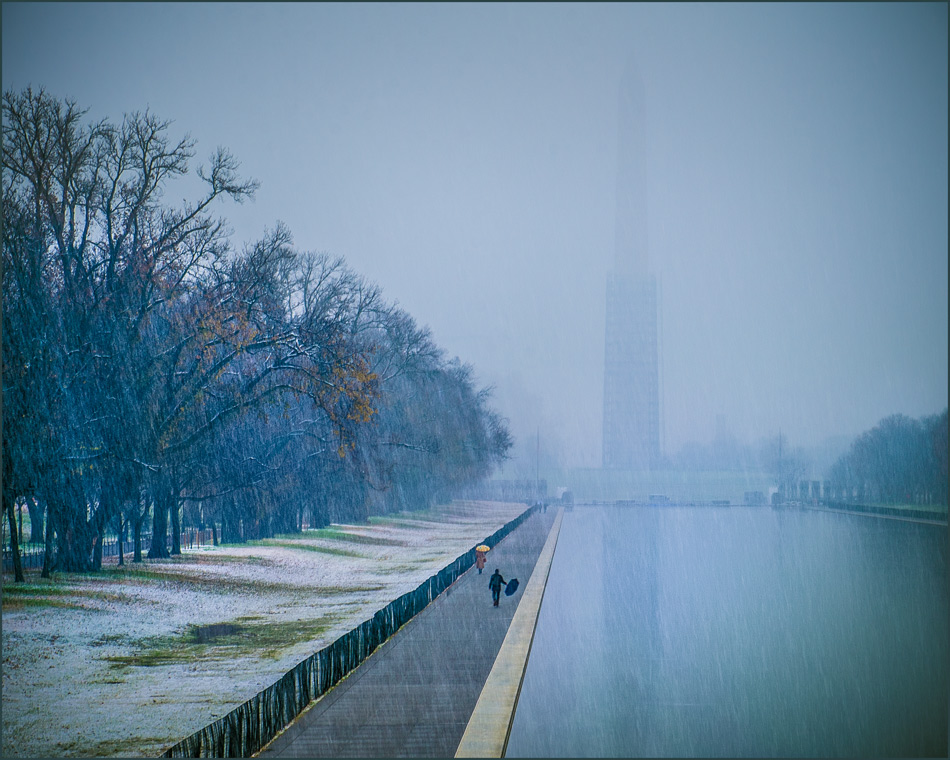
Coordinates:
495 583
479 561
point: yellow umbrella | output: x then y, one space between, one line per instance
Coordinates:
482 548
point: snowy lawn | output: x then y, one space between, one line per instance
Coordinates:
129 661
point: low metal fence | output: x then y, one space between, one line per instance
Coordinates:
31 555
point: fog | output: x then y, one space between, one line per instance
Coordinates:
463 157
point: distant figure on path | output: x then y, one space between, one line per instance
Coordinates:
480 561
495 583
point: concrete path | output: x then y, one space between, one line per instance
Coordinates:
490 725
414 696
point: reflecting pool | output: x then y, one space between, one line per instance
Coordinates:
736 632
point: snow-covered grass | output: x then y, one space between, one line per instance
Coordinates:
128 661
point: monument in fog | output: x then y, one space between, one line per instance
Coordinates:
631 368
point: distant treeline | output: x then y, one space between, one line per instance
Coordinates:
150 371
901 460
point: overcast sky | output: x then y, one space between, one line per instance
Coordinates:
463 158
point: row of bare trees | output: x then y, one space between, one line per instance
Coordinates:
901 460
150 371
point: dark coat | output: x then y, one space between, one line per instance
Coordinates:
496 582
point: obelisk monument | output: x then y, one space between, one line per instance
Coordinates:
631 373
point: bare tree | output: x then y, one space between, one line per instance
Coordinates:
146 364
91 249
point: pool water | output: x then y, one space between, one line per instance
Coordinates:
738 632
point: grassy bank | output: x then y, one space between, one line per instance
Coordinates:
128 661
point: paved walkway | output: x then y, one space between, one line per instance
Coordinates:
413 697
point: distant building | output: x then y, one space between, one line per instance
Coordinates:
631 428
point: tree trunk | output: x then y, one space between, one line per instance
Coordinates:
104 510
97 547
159 546
74 535
36 510
48 548
14 543
214 533
227 532
176 524
75 546
137 536
120 534
160 504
